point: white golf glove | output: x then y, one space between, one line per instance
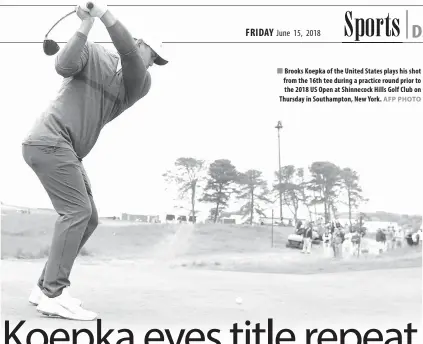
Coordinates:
83 13
98 9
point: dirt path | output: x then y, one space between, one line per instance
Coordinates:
141 294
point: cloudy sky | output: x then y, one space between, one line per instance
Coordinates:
216 100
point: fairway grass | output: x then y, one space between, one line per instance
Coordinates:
203 246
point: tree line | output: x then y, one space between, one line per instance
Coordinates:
220 182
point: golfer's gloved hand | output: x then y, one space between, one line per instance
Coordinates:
98 9
83 12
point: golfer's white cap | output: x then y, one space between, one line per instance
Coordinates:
157 46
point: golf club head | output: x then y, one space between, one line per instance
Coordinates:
50 47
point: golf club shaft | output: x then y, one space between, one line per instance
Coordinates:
59 21
90 5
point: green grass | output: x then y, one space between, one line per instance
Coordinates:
310 265
211 246
28 235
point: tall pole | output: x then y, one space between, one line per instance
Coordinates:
360 234
315 209
279 127
272 228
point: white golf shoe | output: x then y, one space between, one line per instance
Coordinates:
63 306
37 295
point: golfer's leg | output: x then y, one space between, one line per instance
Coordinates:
92 225
67 237
93 222
60 173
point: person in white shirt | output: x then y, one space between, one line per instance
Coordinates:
307 238
327 242
337 239
356 242
347 245
399 238
417 237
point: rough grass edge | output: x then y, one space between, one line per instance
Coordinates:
40 254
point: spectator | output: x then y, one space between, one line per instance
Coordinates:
380 239
347 245
384 240
356 241
417 237
337 239
299 227
307 238
399 238
332 228
327 241
390 239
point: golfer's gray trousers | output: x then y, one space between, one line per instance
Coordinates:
66 182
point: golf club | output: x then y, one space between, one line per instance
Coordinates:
50 46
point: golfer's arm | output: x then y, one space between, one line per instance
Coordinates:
74 55
135 77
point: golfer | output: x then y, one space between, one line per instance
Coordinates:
93 93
